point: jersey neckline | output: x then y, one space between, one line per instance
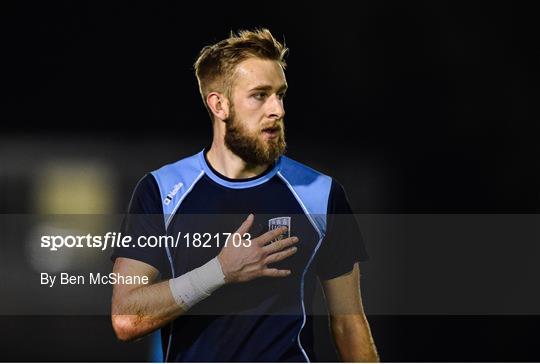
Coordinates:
237 183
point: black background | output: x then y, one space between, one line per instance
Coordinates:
439 99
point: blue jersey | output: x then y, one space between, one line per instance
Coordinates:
266 319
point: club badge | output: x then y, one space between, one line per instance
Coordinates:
278 222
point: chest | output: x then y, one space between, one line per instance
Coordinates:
202 223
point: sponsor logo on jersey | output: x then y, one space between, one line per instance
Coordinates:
173 192
278 222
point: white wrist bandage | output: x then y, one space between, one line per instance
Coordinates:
198 284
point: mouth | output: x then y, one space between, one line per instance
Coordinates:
272 132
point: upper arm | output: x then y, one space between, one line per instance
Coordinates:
143 219
349 325
343 244
343 293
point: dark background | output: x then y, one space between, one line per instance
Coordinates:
415 107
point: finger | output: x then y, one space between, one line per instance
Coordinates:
276 257
246 225
280 245
274 272
270 235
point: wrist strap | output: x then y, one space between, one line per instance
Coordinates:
198 284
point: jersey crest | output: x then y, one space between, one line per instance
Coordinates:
278 222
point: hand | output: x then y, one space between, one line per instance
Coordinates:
250 261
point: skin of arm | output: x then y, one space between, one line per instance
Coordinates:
138 310
348 323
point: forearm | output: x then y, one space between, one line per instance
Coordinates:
140 310
144 309
353 339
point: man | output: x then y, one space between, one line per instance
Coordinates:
250 299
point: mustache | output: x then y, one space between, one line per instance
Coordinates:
274 126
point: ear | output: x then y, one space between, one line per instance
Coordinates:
219 105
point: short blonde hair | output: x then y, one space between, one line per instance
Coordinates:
215 66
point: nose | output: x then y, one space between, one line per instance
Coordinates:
276 108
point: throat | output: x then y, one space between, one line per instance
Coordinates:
228 165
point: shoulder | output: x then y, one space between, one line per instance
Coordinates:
300 172
147 184
316 184
175 180
310 187
303 177
146 197
338 202
183 167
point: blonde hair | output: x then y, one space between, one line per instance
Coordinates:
215 66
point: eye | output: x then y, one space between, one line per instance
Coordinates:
281 95
260 95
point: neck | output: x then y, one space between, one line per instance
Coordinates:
229 164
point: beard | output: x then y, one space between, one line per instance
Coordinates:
251 147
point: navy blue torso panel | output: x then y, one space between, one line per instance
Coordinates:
266 319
